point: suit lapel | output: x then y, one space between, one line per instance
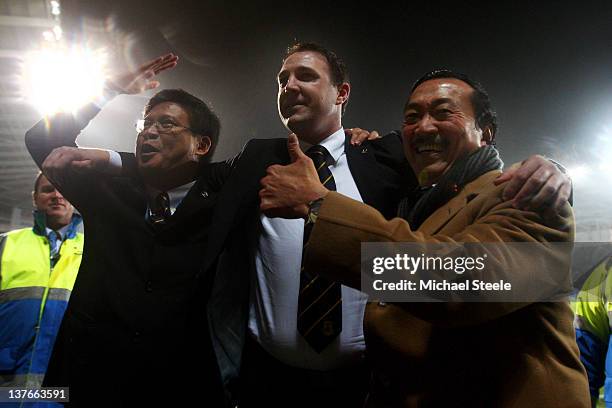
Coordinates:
361 165
239 195
436 221
197 198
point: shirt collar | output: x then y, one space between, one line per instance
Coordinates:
176 195
61 232
334 144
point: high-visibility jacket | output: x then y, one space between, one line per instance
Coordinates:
593 322
33 298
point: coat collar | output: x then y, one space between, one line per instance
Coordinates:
444 214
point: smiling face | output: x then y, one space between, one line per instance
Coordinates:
309 104
47 199
439 127
158 152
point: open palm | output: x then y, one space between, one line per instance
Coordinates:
141 79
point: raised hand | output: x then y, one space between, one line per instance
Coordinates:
287 190
141 79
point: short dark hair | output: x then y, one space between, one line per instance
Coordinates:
337 69
481 103
202 119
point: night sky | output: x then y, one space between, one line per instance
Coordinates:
548 68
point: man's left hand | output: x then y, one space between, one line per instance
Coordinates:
536 185
287 190
358 135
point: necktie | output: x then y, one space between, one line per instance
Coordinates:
320 300
55 241
160 209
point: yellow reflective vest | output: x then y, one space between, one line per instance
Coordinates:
33 299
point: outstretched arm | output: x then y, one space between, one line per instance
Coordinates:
62 129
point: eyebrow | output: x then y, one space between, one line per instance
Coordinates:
299 69
436 102
162 117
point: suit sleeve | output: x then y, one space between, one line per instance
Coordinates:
334 248
58 130
61 130
592 324
389 151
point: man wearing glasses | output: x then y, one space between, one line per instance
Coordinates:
134 331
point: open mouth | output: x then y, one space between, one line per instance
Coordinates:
148 149
429 148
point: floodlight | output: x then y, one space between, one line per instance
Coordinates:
62 79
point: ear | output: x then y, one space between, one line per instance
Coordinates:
344 90
487 136
203 145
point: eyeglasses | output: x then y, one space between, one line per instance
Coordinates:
164 126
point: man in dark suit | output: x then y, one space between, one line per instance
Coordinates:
281 366
133 332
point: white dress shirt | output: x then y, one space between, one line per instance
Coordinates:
275 288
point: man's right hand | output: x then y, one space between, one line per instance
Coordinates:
141 79
76 159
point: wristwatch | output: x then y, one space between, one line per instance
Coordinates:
313 210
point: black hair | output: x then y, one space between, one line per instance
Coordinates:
202 120
481 103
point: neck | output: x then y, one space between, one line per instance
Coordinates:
316 136
56 224
427 179
173 178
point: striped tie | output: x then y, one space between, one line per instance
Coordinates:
320 299
160 209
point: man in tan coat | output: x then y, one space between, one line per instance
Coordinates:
444 354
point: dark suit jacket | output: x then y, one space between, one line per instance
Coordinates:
134 330
461 354
382 176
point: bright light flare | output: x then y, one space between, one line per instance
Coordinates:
578 173
61 79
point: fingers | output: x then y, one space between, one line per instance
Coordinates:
520 177
547 193
293 147
530 187
56 162
151 85
359 135
166 65
505 176
156 62
563 196
80 165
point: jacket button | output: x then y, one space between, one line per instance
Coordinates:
136 337
204 194
149 286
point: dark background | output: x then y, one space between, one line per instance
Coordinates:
547 66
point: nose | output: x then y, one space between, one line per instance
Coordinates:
426 125
55 194
291 85
150 133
